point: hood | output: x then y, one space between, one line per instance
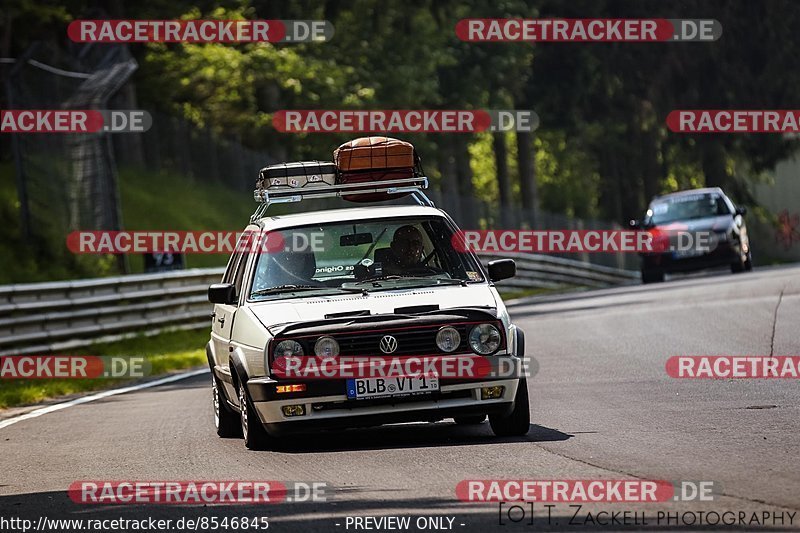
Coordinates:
275 312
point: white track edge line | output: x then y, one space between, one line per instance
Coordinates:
100 395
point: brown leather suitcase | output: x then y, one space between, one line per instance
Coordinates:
375 159
374 153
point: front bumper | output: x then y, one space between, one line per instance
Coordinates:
327 406
723 254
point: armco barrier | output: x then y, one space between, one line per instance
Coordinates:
58 316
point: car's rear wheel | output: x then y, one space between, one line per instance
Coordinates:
470 420
650 275
518 421
225 420
255 436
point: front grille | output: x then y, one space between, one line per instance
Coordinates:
418 341
411 340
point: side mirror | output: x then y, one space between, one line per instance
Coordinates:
741 210
501 269
222 293
634 224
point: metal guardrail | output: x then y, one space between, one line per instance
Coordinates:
545 271
57 316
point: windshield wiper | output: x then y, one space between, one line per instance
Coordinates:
299 288
395 277
284 288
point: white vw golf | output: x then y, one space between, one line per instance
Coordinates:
378 283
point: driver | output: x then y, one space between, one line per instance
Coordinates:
406 251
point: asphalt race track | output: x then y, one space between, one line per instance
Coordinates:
602 407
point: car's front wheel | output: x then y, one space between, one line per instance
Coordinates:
748 263
518 421
737 266
225 420
255 436
651 275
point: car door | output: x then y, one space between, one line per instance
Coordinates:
222 318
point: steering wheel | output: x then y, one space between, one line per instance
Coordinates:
428 257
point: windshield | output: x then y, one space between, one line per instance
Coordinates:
686 208
361 256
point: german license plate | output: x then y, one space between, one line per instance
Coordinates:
361 388
691 252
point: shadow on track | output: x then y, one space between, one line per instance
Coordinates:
414 435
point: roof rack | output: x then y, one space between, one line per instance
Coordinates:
270 195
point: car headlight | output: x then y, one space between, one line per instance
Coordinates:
287 349
448 339
326 347
484 339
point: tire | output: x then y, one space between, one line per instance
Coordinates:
255 436
226 421
470 420
518 421
652 276
737 267
748 263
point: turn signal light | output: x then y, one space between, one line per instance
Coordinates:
290 388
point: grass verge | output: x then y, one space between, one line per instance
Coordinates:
165 352
507 294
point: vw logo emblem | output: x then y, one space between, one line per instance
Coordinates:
388 344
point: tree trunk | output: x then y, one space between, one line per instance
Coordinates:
466 191
503 182
610 194
448 187
714 163
526 161
650 170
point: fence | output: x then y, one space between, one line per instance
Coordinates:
176 146
67 181
57 316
